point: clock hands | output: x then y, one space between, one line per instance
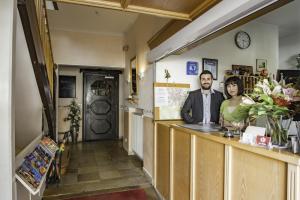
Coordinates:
242 40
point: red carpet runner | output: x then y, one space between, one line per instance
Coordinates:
138 194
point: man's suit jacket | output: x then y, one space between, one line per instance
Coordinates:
194 103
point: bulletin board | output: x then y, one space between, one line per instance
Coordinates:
169 99
67 87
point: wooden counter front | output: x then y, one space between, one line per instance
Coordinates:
207 178
162 156
180 165
211 167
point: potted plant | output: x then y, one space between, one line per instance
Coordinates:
74 117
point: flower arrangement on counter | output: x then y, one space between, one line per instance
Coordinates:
278 103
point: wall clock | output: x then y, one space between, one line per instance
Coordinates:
242 40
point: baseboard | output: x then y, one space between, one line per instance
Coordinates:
131 153
152 182
148 175
159 195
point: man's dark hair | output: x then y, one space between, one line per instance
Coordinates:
231 81
206 72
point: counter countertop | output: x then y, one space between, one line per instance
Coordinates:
278 154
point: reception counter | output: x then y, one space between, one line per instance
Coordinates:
193 165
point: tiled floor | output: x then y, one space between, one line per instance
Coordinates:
101 166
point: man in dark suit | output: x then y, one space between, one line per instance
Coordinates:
204 103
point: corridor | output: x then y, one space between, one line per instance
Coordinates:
100 167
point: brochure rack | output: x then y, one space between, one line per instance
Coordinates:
33 170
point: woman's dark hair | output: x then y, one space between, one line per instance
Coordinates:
234 80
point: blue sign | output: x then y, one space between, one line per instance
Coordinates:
192 68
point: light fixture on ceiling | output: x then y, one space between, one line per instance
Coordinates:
51 5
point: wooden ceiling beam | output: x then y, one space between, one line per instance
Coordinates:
167 31
94 3
124 5
158 12
203 7
175 25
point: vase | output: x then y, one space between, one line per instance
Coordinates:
297 123
277 128
298 61
74 134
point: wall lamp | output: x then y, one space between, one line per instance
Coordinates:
141 75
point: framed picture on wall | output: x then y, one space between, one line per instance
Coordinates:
133 76
211 65
244 70
67 87
261 64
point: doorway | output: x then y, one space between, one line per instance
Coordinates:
101 105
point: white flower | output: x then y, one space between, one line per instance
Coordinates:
276 90
266 82
247 101
265 86
275 82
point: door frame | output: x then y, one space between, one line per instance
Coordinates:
104 72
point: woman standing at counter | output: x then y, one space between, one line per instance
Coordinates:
231 110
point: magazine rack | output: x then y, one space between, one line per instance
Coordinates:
34 168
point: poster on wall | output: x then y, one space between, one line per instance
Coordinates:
67 87
212 66
192 68
169 99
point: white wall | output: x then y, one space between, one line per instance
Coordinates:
143 29
87 49
28 103
289 48
146 93
7 141
264 45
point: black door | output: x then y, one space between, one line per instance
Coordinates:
100 106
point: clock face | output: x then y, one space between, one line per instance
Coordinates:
242 40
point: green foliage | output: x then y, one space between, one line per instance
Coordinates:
74 115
